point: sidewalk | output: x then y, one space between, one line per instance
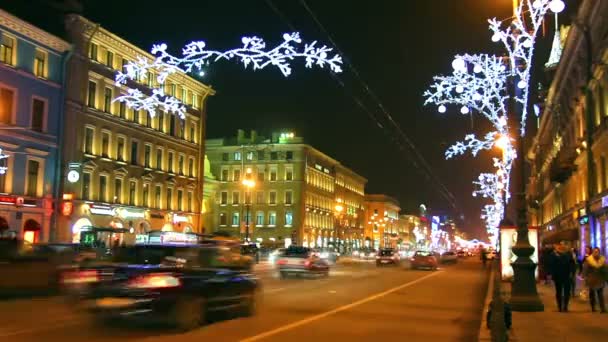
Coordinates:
579 324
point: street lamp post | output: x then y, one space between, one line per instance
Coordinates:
249 185
339 237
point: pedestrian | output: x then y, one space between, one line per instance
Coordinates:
562 266
581 261
573 276
484 257
593 269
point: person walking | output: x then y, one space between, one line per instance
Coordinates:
573 276
562 267
484 257
593 269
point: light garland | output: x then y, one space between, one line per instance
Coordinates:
3 168
195 55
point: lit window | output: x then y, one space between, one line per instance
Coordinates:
235 219
93 51
110 59
40 63
237 155
107 100
259 218
272 218
7 49
288 218
6 105
91 95
249 156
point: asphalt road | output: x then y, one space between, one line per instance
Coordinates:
358 302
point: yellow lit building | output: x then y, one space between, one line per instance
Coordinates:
123 168
382 221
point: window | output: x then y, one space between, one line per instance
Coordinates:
6 105
110 59
259 218
224 197
236 176
159 159
184 95
147 155
248 197
235 219
161 121
224 175
120 149
169 198
103 188
93 51
172 125
117 190
249 156
274 155
180 164
89 134
105 144
170 89
122 110
191 167
86 186
182 129
146 197
134 148
170 161
272 218
192 133
235 197
38 115
40 63
288 197
602 182
260 176
91 95
247 218
148 120
124 63
237 155
225 156
272 198
157 192
289 174
273 175
135 115
132 186
107 100
288 218
33 169
289 155
189 204
223 219
6 50
259 197
194 100
180 200
150 79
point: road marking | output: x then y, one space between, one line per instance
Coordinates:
336 310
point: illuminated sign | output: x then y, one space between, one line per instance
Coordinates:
7 200
126 213
318 167
67 208
604 201
583 220
102 210
179 218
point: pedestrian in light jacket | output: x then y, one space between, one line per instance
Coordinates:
593 269
562 268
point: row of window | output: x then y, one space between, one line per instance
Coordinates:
113 60
38 110
162 122
260 155
260 197
317 201
115 192
261 175
8 55
105 149
319 180
261 219
315 220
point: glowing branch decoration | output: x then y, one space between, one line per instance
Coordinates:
2 168
471 143
195 55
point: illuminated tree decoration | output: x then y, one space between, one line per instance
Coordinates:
195 55
2 168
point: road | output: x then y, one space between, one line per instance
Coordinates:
358 302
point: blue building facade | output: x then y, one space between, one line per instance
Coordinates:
32 68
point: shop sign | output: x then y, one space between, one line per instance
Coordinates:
604 201
102 210
157 215
179 218
127 213
7 200
583 219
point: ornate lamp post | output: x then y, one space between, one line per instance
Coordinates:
249 184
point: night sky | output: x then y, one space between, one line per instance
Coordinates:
395 46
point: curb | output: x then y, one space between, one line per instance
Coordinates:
484 332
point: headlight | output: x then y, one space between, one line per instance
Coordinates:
324 255
355 253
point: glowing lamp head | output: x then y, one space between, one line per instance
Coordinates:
522 84
477 69
502 142
496 37
339 208
556 6
477 97
459 64
527 43
459 89
464 110
441 109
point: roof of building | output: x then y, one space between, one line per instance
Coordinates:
30 31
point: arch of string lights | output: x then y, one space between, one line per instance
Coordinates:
195 55
479 84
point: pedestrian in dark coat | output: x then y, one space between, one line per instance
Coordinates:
562 268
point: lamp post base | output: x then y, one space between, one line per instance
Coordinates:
524 297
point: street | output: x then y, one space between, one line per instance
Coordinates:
358 302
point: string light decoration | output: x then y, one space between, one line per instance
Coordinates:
195 56
2 168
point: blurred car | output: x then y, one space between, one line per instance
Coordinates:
251 250
491 255
461 254
387 256
174 284
449 257
301 261
274 255
367 254
423 259
328 254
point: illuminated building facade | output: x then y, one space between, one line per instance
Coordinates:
382 221
122 168
31 81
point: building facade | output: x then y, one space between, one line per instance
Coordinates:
31 87
568 186
382 221
122 168
295 193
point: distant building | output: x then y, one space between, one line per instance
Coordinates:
299 195
382 221
31 82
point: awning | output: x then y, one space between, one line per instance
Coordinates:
571 234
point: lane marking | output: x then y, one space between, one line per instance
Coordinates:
336 310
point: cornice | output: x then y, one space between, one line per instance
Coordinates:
26 29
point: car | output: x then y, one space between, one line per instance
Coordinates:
367 254
274 255
423 259
387 256
297 260
175 284
461 254
328 254
251 250
491 255
449 257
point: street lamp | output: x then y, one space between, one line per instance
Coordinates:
339 236
249 185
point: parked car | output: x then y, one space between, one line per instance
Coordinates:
424 259
275 255
449 257
174 284
387 256
301 261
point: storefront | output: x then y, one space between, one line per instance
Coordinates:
27 219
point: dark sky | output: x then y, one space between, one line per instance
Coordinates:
396 46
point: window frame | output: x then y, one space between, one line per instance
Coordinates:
45 114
